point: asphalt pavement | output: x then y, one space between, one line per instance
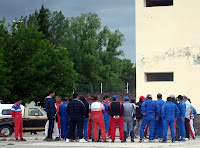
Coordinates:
37 142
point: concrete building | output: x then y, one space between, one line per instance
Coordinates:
168 48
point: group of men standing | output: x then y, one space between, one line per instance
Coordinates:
159 115
83 120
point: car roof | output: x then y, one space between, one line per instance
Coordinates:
7 106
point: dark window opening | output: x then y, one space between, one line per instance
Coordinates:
6 112
153 77
152 3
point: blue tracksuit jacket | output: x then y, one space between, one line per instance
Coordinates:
169 112
63 119
182 108
148 107
158 123
106 116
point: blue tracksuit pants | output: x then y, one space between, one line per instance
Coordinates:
181 127
85 127
145 120
64 127
158 131
107 121
166 123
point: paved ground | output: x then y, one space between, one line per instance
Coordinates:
34 141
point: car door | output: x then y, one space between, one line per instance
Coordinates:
35 119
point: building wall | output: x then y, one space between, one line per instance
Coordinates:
168 40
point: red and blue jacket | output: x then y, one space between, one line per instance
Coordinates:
16 110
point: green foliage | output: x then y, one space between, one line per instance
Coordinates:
48 51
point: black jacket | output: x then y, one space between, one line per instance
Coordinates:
50 107
114 109
87 109
76 109
138 110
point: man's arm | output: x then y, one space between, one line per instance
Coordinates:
83 108
68 108
177 111
143 108
47 106
163 112
109 111
122 110
12 112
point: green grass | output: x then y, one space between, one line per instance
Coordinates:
3 139
11 144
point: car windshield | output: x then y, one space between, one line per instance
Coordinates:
43 110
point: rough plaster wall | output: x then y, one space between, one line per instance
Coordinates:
168 40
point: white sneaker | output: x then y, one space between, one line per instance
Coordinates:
67 140
82 141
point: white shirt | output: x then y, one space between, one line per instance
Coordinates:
97 106
188 108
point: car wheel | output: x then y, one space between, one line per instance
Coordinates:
5 130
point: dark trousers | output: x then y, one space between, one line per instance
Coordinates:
187 130
177 131
51 126
73 123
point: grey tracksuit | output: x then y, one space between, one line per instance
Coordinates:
128 115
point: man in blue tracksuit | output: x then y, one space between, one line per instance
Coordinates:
149 111
168 113
158 123
105 114
181 117
64 119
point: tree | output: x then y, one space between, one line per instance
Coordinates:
129 74
5 84
44 23
37 65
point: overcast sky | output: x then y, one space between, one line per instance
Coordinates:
116 14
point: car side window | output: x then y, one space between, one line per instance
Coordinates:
6 111
34 112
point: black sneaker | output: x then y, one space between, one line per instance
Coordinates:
132 140
112 141
22 139
57 139
173 141
123 141
164 141
49 139
17 140
141 140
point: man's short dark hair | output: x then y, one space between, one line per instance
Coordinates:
159 95
105 97
169 99
51 92
70 99
82 98
66 99
75 95
95 97
180 97
18 99
132 100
